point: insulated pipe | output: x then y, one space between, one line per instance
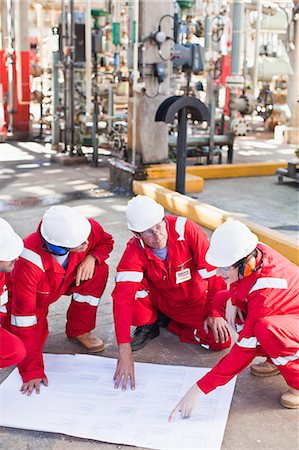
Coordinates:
237 36
257 48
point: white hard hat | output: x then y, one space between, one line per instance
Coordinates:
230 242
143 213
64 226
11 245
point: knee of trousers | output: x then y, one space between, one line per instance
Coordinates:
216 347
263 329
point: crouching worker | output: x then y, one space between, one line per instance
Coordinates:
12 349
65 256
264 287
163 269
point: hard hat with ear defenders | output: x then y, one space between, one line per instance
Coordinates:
230 242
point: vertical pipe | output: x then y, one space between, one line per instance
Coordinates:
40 28
181 151
212 124
293 85
210 98
94 131
65 72
110 108
88 56
55 91
10 67
208 51
237 36
21 49
71 66
257 48
135 75
131 14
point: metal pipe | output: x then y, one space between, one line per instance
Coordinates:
10 67
65 72
181 152
237 36
21 44
212 125
94 131
110 108
201 141
55 90
135 75
270 9
257 48
71 67
88 56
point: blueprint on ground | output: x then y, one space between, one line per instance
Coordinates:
81 401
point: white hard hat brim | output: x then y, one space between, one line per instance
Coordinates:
230 242
219 260
142 213
13 249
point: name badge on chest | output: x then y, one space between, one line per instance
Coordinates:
4 298
183 275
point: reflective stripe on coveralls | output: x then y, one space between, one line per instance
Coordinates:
283 360
264 283
180 227
129 276
206 346
33 257
205 274
141 294
251 342
23 321
90 299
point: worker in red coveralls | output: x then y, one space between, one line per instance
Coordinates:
264 287
65 256
163 269
12 349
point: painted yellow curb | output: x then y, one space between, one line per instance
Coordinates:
192 184
211 217
217 170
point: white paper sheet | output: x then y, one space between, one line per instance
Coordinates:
81 401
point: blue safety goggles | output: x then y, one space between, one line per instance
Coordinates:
57 250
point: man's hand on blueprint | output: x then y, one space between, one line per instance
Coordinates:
125 368
188 403
28 388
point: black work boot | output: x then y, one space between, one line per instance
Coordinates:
143 334
163 320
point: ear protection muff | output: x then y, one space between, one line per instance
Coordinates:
248 266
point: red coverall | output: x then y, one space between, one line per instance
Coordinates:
39 280
145 283
270 300
12 349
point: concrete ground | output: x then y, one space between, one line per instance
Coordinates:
30 183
